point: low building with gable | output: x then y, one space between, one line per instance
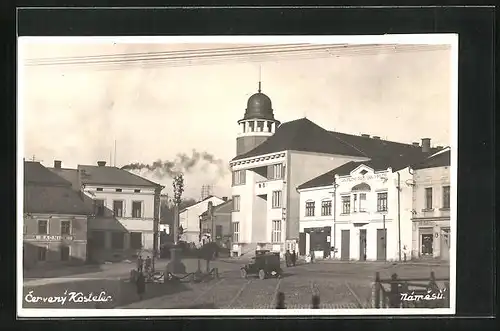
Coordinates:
54 221
189 218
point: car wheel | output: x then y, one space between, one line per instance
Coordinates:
243 273
262 274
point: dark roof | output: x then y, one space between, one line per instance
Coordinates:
53 200
304 135
71 175
46 192
96 175
439 160
36 173
395 163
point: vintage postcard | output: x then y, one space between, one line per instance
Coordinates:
175 176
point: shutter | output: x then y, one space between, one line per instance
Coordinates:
283 168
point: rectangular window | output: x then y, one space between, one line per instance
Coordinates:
428 198
275 171
136 240
276 200
446 197
42 253
137 209
118 208
64 253
362 202
218 232
99 189
99 207
382 201
346 204
137 191
354 203
117 240
310 206
118 190
65 228
236 202
276 233
25 229
43 227
239 177
236 232
326 208
98 239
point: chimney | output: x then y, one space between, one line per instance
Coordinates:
224 199
101 163
439 147
426 145
365 135
57 164
376 137
415 144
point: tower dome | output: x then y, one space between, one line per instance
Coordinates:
259 106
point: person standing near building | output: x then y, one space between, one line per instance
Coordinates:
139 263
141 285
147 264
287 258
294 258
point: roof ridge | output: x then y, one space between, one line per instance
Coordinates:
346 143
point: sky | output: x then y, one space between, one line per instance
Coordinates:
75 113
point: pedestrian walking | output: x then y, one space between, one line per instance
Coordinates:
294 258
141 285
288 258
139 263
312 255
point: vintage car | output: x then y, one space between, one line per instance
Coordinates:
264 264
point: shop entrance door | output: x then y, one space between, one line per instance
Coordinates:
427 242
345 244
445 244
381 244
362 245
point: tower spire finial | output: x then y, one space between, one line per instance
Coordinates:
260 78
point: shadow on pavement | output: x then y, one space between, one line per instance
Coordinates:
75 295
54 272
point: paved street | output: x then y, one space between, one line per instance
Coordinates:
340 285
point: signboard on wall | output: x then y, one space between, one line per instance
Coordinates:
362 178
43 237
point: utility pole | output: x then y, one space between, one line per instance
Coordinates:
385 238
399 216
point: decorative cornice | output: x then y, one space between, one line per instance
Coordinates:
260 158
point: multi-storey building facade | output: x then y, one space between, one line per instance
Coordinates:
358 211
55 220
215 223
125 210
431 207
273 159
189 218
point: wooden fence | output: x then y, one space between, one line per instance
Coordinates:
411 293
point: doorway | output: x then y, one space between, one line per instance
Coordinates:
345 244
426 240
445 244
381 244
302 243
362 245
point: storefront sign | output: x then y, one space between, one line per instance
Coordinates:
362 178
47 238
422 223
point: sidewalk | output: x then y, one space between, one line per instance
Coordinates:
409 263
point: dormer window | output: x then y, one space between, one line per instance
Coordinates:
363 172
99 189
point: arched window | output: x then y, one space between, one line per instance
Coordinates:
360 190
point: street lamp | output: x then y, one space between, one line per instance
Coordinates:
175 265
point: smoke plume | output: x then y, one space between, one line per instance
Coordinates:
183 163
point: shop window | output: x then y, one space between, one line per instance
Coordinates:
42 253
65 253
136 240
117 240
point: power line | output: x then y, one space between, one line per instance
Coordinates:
265 55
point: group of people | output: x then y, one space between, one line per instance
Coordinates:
290 258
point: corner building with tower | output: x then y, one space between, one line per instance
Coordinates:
273 159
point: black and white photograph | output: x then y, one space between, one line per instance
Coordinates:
244 175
